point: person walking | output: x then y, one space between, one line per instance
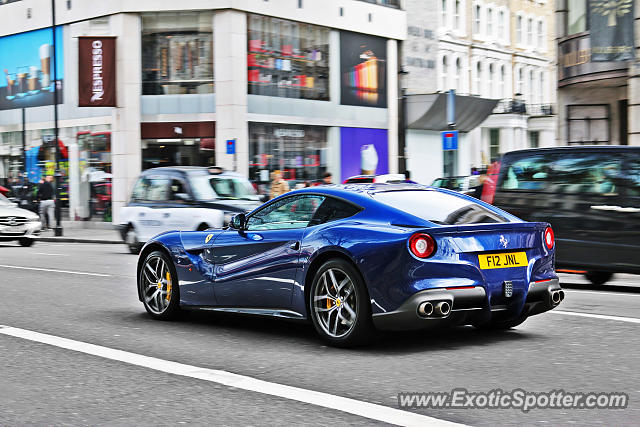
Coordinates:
327 178
46 196
278 186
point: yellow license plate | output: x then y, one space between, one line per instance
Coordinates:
506 260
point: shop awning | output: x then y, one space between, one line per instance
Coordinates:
429 112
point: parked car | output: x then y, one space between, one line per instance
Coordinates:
461 184
17 224
377 179
590 195
183 198
353 258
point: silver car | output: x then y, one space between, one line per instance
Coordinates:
17 224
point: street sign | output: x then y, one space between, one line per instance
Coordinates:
231 146
449 140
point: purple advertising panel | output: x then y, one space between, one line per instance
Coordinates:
363 152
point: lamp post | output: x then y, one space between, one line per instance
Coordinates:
57 174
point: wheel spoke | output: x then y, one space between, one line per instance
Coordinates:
335 324
350 310
146 276
344 319
334 282
343 284
152 297
148 266
323 297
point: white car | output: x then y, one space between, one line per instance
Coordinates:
183 198
17 224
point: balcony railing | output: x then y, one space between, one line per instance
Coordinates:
517 106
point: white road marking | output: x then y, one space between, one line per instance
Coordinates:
600 293
83 273
44 253
597 316
363 409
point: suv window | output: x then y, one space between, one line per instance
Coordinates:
527 173
439 208
332 210
587 172
291 212
632 180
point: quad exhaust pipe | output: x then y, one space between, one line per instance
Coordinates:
440 309
557 296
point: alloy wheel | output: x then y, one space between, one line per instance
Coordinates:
156 284
335 303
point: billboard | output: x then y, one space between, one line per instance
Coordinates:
611 29
363 152
96 72
363 67
27 70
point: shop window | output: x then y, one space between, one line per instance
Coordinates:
177 152
177 53
534 139
588 124
287 59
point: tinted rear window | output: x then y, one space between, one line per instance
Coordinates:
439 208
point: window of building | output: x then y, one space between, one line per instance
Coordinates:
457 15
478 82
287 59
489 22
534 139
177 53
519 29
494 144
542 88
540 35
299 152
530 31
519 81
576 16
443 12
503 85
588 124
445 71
501 33
530 89
458 73
491 81
476 20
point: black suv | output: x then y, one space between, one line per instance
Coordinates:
589 194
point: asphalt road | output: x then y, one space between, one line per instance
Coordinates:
45 384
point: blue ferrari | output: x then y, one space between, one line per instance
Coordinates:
355 258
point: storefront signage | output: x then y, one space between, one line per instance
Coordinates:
27 69
96 72
611 29
291 133
363 66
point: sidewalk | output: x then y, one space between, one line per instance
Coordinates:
83 232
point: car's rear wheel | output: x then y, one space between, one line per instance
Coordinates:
598 277
159 286
131 239
26 242
339 303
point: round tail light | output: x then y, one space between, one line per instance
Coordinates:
422 245
549 238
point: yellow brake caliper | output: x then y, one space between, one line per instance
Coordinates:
168 297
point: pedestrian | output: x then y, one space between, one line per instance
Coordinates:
46 197
278 186
327 178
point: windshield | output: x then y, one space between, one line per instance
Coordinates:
4 201
439 208
208 187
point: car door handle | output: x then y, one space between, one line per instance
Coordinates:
605 208
295 246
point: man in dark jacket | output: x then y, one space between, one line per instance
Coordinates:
46 196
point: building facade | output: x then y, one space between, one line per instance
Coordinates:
494 50
299 86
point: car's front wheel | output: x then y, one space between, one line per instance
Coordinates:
158 283
339 303
26 242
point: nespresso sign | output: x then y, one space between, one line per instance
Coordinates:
96 72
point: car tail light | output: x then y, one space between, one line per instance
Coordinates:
422 245
549 238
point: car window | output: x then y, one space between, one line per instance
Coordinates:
527 173
290 212
587 172
177 186
439 208
632 178
140 190
332 210
158 190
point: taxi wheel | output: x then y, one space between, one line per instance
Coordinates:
598 277
26 242
339 305
159 288
131 239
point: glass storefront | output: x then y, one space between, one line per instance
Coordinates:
178 152
177 53
287 59
298 152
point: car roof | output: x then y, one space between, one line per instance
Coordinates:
190 170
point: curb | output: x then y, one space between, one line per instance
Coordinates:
75 240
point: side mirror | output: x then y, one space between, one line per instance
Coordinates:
238 222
